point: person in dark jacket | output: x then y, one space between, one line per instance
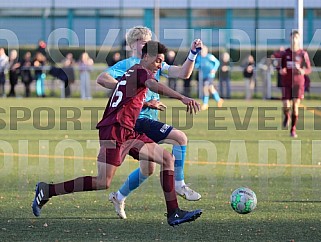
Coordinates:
68 69
248 74
25 72
225 75
14 65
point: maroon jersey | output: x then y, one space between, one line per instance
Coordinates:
127 99
277 59
291 60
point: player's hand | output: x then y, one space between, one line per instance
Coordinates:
300 71
197 45
161 106
192 105
283 71
155 104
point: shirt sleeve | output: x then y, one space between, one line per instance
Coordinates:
117 70
165 69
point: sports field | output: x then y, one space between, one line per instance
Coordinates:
242 144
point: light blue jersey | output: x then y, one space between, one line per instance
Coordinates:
119 69
206 65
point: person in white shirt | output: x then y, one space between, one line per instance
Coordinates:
4 63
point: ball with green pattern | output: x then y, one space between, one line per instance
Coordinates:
243 200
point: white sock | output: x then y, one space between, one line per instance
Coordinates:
120 197
179 184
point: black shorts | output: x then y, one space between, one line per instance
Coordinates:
153 129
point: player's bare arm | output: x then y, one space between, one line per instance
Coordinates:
192 105
186 69
106 80
306 69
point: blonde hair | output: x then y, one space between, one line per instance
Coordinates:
137 33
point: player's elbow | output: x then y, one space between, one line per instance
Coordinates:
105 80
100 79
185 75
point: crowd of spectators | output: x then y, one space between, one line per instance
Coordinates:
35 68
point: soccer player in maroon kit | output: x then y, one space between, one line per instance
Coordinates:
295 64
118 138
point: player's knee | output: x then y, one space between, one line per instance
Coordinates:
180 137
168 160
151 169
148 170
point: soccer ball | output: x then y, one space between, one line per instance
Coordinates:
243 200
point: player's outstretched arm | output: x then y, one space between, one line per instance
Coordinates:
106 80
192 105
185 71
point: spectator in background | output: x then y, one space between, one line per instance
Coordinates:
4 63
187 86
225 75
208 64
42 45
14 65
116 57
68 69
40 75
276 60
266 70
170 57
248 74
25 72
85 67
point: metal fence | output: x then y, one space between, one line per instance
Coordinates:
54 86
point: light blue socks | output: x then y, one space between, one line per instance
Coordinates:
179 152
133 181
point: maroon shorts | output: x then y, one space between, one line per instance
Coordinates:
296 91
116 142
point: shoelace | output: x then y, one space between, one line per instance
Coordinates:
188 189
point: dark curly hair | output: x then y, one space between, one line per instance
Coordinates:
153 48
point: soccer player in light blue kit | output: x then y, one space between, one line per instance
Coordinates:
208 64
148 120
